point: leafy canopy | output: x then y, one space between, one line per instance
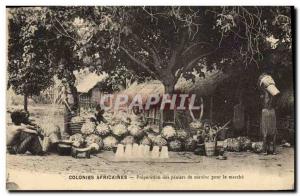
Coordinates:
164 43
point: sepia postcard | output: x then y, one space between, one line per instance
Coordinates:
150 98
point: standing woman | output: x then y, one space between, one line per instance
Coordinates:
268 115
70 109
71 100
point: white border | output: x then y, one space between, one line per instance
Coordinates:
4 3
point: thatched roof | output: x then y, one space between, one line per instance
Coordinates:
144 89
202 86
89 81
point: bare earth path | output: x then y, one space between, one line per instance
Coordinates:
281 163
280 166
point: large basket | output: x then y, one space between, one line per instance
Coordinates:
210 148
267 82
75 127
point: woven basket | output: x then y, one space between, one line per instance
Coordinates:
75 127
210 148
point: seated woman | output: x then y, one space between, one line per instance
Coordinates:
99 118
21 137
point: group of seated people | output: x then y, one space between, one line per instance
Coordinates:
25 136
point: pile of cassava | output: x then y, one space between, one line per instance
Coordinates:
126 128
129 129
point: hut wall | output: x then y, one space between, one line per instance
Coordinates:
153 116
85 101
91 99
96 95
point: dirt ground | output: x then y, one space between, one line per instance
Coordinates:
250 171
280 164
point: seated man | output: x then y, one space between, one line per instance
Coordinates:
21 137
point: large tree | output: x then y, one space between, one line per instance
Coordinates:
29 72
169 42
164 43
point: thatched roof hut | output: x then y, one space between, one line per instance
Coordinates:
90 89
203 86
89 82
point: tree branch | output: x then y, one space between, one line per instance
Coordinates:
192 46
178 74
64 34
153 51
176 52
143 65
195 60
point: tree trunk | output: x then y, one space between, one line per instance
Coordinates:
248 125
211 109
168 115
26 102
169 89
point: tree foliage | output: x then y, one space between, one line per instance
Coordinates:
164 43
169 42
29 72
